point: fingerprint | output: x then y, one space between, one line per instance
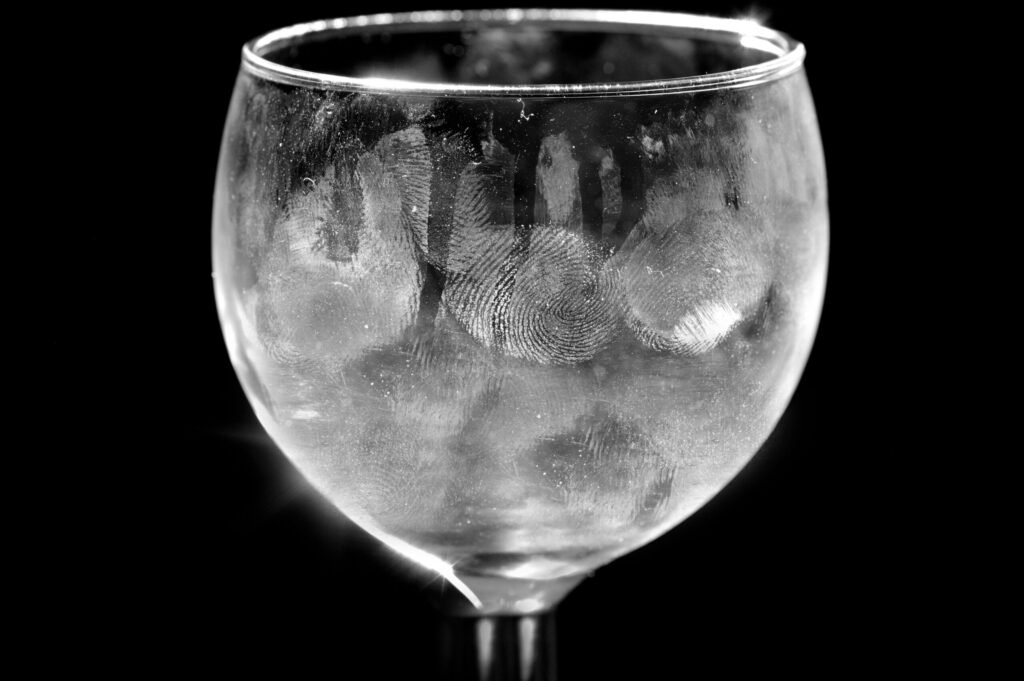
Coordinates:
616 477
253 215
527 404
561 309
448 371
686 286
404 156
278 339
326 301
558 305
558 185
397 477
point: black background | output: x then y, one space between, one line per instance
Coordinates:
210 551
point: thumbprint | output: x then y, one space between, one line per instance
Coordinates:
685 287
557 307
342 275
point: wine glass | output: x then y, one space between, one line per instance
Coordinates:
520 290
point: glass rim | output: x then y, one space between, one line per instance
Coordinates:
788 53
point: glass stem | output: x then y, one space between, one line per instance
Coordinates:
499 648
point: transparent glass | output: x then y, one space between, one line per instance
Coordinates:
520 290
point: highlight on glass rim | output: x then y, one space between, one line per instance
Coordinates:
520 290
